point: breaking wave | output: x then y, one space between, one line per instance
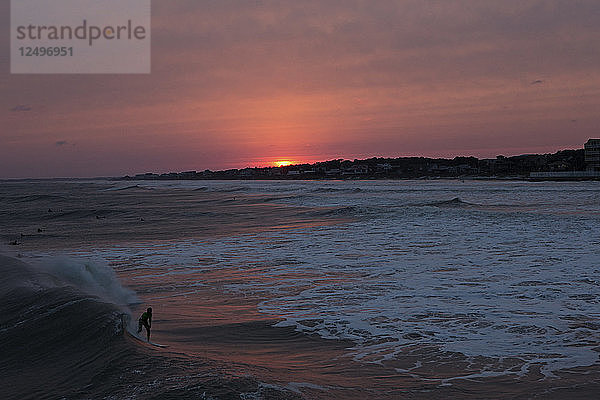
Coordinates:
62 336
60 325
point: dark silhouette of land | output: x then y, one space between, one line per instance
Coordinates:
515 167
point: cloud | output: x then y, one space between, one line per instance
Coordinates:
21 107
345 75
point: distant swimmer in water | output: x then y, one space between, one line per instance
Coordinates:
146 321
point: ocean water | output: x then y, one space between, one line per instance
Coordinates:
314 289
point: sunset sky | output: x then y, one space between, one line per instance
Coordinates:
239 83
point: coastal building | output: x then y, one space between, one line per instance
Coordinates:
359 169
385 167
592 155
559 169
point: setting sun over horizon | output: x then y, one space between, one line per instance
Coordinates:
284 163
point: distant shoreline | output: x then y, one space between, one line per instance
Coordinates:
564 165
425 178
327 179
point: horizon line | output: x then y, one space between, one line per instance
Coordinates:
107 177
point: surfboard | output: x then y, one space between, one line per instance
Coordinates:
133 335
146 342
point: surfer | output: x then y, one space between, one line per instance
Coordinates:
146 321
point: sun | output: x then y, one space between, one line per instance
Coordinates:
282 163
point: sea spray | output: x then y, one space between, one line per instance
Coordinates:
89 276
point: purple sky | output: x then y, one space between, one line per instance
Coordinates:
246 83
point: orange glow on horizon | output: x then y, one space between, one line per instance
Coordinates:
282 163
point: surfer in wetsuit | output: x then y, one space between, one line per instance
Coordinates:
146 321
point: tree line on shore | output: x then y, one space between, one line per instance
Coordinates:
396 168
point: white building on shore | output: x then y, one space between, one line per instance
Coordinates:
592 164
592 155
